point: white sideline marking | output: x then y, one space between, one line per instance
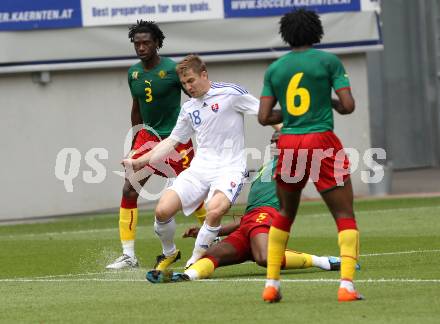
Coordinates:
186 225
67 275
374 254
115 229
73 280
385 210
70 275
381 280
319 280
401 252
74 275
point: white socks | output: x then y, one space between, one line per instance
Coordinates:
128 248
273 283
347 284
192 274
206 236
165 231
320 262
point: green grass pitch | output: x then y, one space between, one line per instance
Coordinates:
54 272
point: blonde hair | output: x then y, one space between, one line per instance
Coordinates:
191 62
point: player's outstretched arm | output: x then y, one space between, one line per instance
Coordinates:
345 103
156 155
266 114
229 228
191 232
224 230
161 150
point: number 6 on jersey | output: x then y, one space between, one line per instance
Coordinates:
292 92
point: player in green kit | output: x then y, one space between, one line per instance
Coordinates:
247 239
156 92
301 82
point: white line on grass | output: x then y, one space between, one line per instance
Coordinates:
180 268
72 275
379 254
318 280
384 280
186 225
62 233
73 280
90 231
378 211
400 252
365 255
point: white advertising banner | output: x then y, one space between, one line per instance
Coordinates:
370 5
124 12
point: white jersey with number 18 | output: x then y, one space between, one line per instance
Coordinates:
217 120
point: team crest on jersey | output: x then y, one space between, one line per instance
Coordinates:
233 184
135 75
214 107
162 74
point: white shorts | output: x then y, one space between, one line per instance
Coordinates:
195 186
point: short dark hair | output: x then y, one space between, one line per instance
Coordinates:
301 27
142 26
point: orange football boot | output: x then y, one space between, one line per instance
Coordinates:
271 294
344 295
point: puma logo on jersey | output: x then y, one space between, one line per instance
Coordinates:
135 75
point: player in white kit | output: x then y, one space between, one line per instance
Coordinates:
215 115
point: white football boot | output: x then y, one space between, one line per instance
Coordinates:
123 262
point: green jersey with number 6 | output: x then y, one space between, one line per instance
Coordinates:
302 82
158 93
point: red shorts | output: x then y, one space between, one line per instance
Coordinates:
255 222
319 156
145 142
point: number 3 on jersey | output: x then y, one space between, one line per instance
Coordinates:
148 92
293 90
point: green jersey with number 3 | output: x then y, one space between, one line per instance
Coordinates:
158 93
302 82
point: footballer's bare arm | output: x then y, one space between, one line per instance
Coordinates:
345 103
266 114
224 230
156 155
